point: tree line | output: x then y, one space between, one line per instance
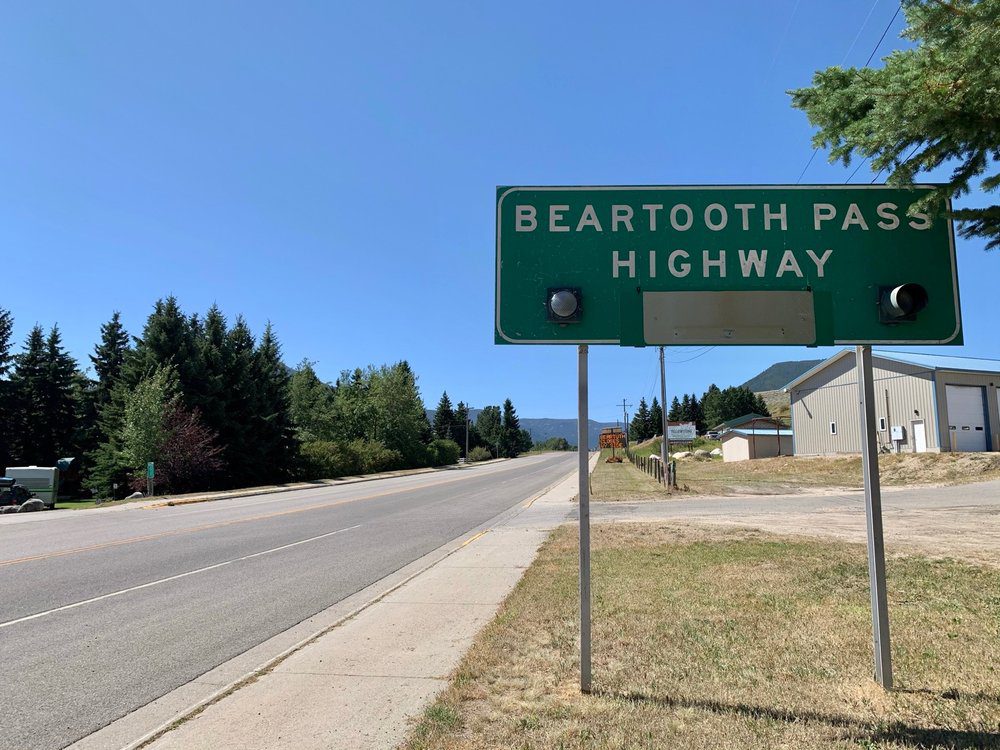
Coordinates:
716 405
496 429
214 407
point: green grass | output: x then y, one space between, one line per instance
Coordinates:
702 443
734 639
81 504
616 482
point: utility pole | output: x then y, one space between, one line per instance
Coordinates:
468 421
665 442
625 423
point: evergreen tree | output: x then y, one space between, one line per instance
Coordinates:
212 398
109 358
731 403
674 415
685 407
639 428
274 430
932 105
511 440
170 338
711 406
655 418
241 449
444 419
7 415
42 384
695 413
311 402
463 424
525 442
86 435
489 425
6 332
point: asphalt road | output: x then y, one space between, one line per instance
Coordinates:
102 612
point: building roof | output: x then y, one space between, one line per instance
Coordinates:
729 424
760 433
930 361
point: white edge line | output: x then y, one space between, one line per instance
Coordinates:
171 578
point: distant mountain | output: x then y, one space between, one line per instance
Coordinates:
779 375
543 429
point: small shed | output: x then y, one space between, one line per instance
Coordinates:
745 444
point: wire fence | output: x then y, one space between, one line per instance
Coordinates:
653 466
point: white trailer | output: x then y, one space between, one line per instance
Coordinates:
40 481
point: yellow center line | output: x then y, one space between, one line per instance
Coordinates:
470 540
219 524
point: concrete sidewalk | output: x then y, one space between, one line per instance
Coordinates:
359 684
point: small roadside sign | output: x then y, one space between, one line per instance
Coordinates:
682 432
150 470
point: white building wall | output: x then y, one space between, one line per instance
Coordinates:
735 448
903 393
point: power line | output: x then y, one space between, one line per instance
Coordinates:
803 172
691 359
908 157
882 38
858 35
874 50
860 164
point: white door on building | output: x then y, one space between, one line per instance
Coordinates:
966 417
919 437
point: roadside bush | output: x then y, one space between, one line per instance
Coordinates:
443 452
322 459
375 457
479 453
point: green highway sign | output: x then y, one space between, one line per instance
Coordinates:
771 264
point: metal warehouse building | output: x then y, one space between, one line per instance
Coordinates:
923 403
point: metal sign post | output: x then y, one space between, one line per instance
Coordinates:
583 455
665 443
873 513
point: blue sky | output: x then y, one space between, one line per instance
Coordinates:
331 167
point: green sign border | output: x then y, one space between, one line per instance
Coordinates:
503 191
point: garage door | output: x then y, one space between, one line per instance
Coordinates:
967 417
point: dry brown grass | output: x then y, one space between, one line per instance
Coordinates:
615 482
791 474
778 404
712 639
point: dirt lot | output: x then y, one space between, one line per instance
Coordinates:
728 639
